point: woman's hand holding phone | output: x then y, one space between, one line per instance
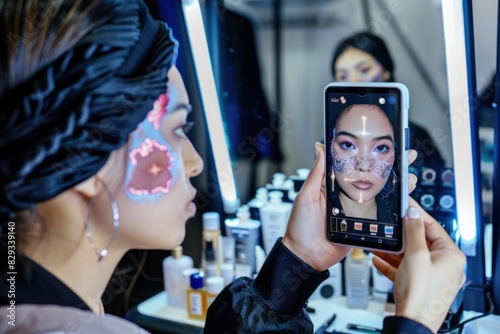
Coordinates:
429 275
305 234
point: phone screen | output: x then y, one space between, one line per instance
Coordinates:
366 168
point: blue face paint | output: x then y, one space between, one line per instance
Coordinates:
151 159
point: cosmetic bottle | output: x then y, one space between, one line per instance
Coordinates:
215 284
297 180
228 246
246 233
357 270
227 272
274 217
210 264
175 285
211 233
196 298
279 183
257 203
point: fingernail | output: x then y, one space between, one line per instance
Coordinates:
316 149
413 213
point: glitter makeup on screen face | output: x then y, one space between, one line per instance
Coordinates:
152 172
347 164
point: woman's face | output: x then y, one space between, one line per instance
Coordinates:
157 196
363 152
354 65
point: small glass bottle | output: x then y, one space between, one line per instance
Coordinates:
196 298
210 265
211 232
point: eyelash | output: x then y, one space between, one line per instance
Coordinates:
379 148
184 128
344 143
385 149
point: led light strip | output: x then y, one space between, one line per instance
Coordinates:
199 47
456 63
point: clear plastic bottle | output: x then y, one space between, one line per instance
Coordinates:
274 217
175 286
357 269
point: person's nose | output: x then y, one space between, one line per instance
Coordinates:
354 77
193 163
364 164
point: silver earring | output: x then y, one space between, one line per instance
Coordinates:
116 223
394 182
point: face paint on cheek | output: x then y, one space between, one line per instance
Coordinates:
152 167
382 169
343 164
152 163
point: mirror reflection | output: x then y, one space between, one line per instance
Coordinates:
274 58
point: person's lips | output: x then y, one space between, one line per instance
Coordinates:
362 184
191 208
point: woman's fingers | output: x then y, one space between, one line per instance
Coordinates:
385 268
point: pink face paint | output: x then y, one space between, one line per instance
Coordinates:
159 109
152 173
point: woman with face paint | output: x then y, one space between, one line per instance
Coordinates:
364 57
95 161
363 152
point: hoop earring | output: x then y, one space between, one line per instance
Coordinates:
116 223
394 182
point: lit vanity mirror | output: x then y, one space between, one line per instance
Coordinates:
271 88
272 60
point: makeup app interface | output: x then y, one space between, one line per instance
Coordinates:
363 145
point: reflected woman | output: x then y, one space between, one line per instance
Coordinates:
363 151
364 57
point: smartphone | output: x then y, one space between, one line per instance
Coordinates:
366 144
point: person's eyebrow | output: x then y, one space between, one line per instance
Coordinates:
345 133
360 63
388 137
181 106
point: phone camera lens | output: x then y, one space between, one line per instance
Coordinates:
362 92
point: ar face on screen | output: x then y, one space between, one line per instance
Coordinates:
364 129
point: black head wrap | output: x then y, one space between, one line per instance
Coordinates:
59 127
